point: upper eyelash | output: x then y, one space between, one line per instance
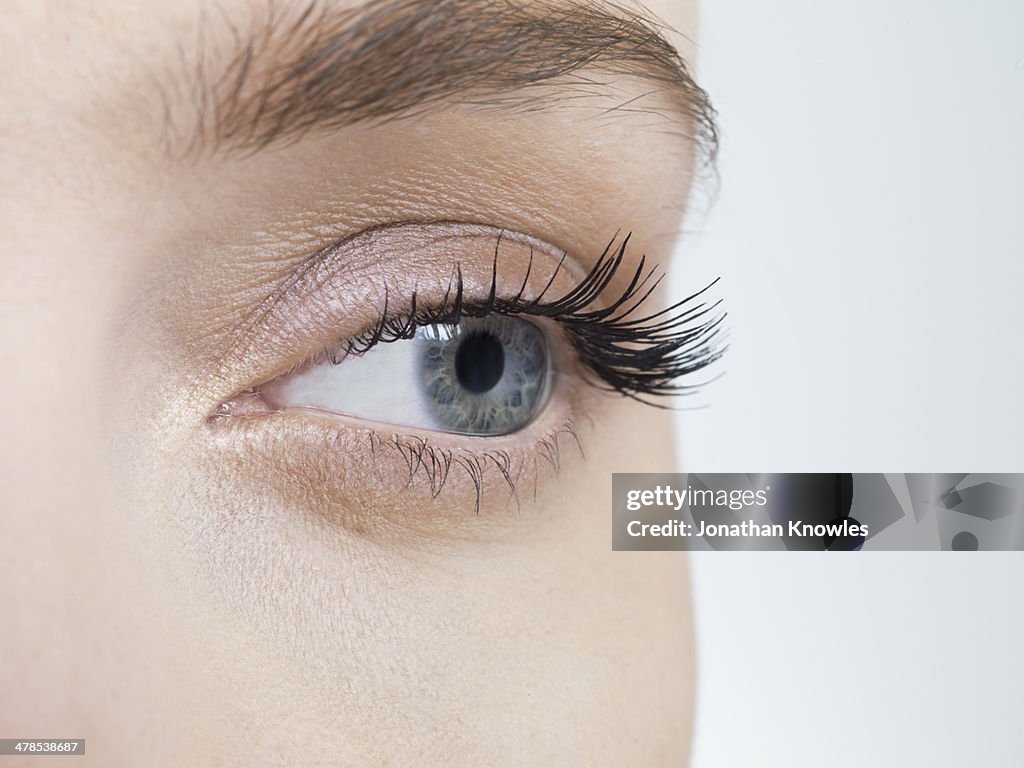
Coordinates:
641 357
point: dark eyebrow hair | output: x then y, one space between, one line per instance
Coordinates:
324 68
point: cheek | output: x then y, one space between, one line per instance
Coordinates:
497 631
92 638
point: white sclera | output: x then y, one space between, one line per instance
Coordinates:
381 385
387 383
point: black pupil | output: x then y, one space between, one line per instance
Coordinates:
479 361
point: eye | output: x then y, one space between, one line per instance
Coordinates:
480 376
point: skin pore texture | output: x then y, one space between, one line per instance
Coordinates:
286 589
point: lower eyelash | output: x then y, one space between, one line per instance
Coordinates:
639 356
437 462
292 453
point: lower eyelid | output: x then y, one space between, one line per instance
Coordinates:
378 481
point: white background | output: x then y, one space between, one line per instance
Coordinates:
870 233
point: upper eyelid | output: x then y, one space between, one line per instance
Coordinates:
325 264
455 305
639 355
325 261
354 267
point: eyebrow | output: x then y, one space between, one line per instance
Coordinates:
322 68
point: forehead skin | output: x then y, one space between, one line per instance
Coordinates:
106 634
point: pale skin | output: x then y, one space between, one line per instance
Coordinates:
179 595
